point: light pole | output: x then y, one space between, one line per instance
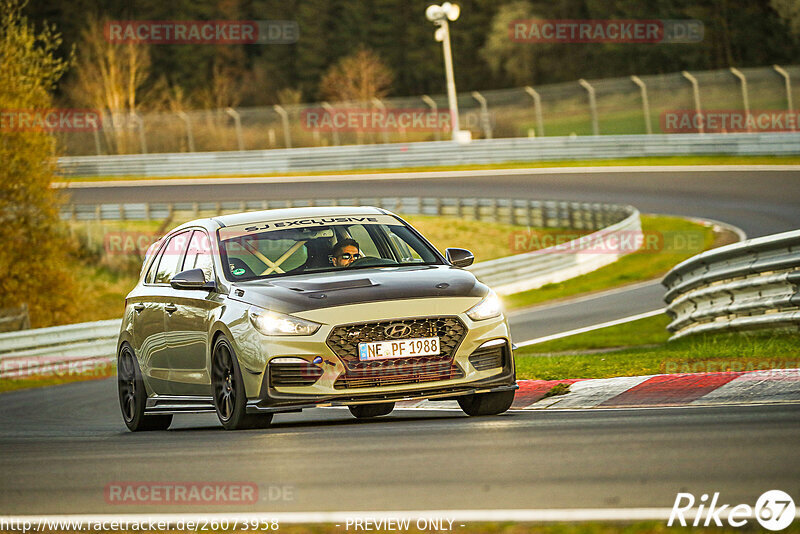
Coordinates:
441 16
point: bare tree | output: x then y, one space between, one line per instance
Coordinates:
110 77
361 77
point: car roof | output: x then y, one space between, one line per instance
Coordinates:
293 213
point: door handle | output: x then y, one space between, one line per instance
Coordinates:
138 307
171 308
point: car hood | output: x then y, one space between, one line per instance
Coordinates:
324 290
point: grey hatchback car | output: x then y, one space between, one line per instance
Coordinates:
251 314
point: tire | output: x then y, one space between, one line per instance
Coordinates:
133 396
366 411
230 400
486 403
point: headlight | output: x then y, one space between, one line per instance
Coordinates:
272 323
489 307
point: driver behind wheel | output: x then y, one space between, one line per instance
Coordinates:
345 252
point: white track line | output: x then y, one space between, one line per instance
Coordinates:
590 328
457 516
422 175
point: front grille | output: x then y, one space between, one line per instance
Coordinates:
489 358
293 374
343 341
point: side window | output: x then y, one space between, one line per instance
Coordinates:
198 255
171 256
151 274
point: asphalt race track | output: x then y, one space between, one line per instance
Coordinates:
63 446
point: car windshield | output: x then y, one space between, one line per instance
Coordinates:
320 244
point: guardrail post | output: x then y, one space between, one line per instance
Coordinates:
696 94
788 83
189 137
335 133
537 107
379 104
485 121
745 99
592 105
140 126
237 121
97 142
437 135
287 134
645 103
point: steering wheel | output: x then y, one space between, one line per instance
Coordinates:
367 261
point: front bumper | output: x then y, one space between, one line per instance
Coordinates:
326 391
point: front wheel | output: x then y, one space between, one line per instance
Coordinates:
365 411
230 400
486 403
133 396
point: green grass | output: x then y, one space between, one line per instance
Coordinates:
665 160
682 239
724 352
648 331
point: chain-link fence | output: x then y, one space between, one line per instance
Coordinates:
630 105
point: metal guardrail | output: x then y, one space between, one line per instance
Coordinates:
429 154
754 284
58 350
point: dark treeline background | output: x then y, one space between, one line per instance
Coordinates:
738 33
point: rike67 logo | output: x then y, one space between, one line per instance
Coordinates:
774 510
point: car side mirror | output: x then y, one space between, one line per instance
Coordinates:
192 279
459 257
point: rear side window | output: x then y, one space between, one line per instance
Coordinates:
170 258
198 256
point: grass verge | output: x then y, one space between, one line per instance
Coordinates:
682 239
724 352
667 160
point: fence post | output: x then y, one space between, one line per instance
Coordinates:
189 137
696 93
592 105
287 134
237 121
140 127
537 105
435 109
788 83
97 142
485 122
379 104
736 72
645 103
327 107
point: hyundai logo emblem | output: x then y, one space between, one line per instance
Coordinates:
397 330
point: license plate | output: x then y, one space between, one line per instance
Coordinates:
400 348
